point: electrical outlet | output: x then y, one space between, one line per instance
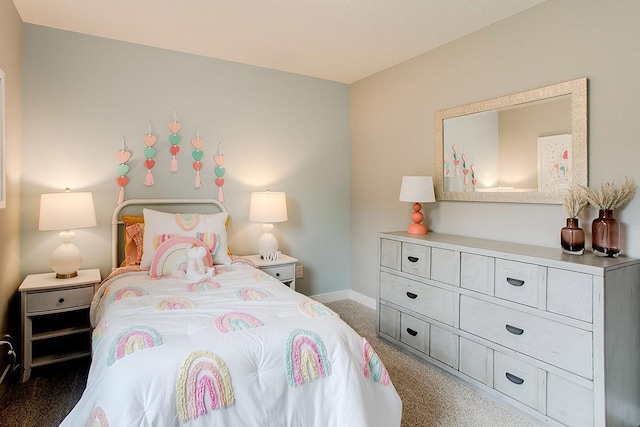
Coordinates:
299 271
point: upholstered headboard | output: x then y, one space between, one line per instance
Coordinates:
135 206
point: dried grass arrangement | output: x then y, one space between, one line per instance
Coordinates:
575 201
609 197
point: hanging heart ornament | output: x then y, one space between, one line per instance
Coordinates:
123 180
150 163
175 127
149 152
197 143
174 139
123 170
123 156
197 165
174 149
219 159
219 171
197 155
149 140
219 182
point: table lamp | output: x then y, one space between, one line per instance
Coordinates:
66 211
268 207
417 189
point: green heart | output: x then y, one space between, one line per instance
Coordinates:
123 170
149 152
197 155
219 171
174 139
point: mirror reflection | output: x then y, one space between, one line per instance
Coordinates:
527 147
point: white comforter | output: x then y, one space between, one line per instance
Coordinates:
240 349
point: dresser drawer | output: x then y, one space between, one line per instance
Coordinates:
443 346
520 282
477 273
59 300
574 411
443 266
281 272
390 253
518 380
389 321
570 294
558 344
414 332
476 361
415 259
427 300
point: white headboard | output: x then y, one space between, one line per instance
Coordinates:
135 206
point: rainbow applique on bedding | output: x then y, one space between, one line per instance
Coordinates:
248 351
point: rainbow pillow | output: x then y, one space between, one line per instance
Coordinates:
171 255
207 228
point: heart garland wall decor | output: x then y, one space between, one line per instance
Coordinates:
219 170
149 152
123 157
197 154
174 139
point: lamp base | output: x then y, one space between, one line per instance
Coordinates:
66 276
268 244
417 217
66 258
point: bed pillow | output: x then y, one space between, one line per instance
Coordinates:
132 237
172 255
161 226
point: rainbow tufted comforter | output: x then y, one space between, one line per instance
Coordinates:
237 349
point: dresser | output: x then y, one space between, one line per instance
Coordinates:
555 336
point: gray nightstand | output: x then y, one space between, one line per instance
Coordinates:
283 269
55 318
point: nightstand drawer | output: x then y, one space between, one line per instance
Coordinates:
57 300
281 272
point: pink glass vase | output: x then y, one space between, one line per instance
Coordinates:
605 234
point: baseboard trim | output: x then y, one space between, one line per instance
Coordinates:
348 294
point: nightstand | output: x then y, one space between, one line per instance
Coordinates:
283 269
55 318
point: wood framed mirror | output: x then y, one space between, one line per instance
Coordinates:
527 147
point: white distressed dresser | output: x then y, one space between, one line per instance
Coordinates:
556 336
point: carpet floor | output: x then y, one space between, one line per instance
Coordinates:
429 398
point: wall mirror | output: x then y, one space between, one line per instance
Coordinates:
528 147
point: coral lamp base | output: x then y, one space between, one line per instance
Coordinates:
417 217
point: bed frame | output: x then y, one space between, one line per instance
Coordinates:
135 206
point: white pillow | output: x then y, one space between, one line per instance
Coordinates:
161 226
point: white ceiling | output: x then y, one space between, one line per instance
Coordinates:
340 40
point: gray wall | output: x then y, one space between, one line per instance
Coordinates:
10 42
279 131
392 122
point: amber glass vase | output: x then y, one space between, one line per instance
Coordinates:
572 238
605 234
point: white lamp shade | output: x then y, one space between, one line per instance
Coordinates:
417 189
268 207
66 211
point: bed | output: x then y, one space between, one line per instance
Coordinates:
225 345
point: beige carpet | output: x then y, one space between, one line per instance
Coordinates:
429 398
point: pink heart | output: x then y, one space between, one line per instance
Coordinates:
197 165
123 180
219 182
197 143
456 162
465 171
150 163
175 149
149 140
219 159
175 127
123 156
474 181
565 155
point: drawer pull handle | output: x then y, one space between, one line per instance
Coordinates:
278 274
413 259
514 330
515 282
61 300
514 379
412 332
412 295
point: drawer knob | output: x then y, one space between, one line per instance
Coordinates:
412 332
514 379
61 300
278 274
514 330
515 282
412 295
413 259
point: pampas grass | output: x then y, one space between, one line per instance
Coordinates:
575 201
609 197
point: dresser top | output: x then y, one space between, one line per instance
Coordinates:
517 251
